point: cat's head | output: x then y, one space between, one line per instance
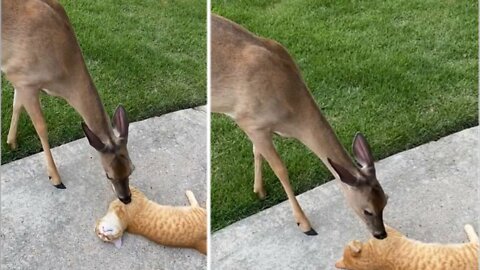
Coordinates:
358 256
367 256
110 229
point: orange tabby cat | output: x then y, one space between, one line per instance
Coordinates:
167 225
397 252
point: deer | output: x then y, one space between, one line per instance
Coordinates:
40 53
257 83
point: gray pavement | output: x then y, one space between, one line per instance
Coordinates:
433 192
46 228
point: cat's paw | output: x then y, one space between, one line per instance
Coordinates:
105 231
109 233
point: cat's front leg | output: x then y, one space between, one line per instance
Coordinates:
108 229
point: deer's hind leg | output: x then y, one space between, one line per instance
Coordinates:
262 141
258 187
29 98
12 131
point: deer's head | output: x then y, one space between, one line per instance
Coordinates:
365 195
114 155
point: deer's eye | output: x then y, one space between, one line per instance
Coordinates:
367 213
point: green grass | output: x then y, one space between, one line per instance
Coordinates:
148 55
402 72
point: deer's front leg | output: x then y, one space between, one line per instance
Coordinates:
12 132
29 98
258 184
264 145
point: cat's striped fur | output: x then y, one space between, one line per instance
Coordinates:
177 226
397 252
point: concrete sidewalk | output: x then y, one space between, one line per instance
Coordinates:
47 228
433 192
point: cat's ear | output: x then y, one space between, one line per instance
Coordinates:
355 247
340 264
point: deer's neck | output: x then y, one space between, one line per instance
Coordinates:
319 137
87 103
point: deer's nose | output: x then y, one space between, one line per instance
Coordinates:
126 200
380 235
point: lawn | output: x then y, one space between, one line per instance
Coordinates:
148 55
402 72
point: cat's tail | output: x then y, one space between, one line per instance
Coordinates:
472 236
191 198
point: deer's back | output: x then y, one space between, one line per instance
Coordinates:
39 45
253 75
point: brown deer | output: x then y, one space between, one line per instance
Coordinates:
257 83
40 52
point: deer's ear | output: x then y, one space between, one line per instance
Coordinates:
355 247
94 141
345 176
120 122
362 151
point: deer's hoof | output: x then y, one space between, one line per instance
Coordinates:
13 145
311 232
261 195
60 186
